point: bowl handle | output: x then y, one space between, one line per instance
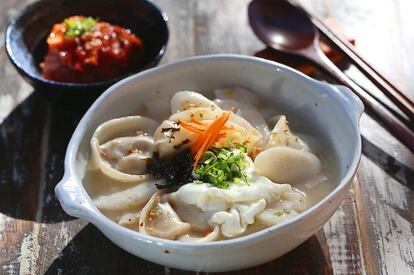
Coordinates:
73 199
352 101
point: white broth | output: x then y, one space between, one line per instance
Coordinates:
245 167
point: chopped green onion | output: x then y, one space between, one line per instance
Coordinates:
76 26
222 166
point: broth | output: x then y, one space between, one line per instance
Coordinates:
98 184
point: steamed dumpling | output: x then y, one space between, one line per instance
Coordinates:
191 214
291 204
159 219
187 104
200 113
232 209
287 165
245 104
243 133
129 198
200 108
128 154
209 198
169 138
120 147
185 100
253 116
235 222
125 127
282 136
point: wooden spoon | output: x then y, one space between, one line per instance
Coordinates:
288 29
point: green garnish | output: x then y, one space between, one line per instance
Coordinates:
282 213
76 26
220 166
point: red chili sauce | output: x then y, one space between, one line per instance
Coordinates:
84 50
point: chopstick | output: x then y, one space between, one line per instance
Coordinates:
393 93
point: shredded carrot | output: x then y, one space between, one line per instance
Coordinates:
204 147
199 122
190 127
208 133
208 137
187 124
205 123
221 135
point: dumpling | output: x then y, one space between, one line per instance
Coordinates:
235 222
191 214
245 104
159 219
185 100
282 136
121 147
243 133
294 199
200 113
125 127
186 105
169 138
286 158
128 154
210 198
232 209
287 165
253 116
129 198
291 204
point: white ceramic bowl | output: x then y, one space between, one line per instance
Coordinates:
334 110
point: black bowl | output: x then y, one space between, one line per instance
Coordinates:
26 35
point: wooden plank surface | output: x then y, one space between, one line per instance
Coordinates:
371 233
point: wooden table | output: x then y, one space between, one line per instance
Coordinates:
371 233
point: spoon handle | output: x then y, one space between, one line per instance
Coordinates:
389 89
397 128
